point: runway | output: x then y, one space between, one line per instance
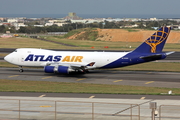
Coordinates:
134 78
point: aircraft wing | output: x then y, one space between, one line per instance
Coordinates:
69 67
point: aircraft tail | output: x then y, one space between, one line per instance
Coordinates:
155 43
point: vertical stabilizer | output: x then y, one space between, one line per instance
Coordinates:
155 43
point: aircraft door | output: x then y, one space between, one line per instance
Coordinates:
22 58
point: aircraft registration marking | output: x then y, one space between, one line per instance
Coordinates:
118 81
47 77
80 79
149 82
13 76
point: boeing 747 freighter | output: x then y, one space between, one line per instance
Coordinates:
66 62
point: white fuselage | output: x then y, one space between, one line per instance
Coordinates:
41 57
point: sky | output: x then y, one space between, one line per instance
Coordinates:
137 7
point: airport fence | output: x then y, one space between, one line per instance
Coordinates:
172 110
67 110
13 109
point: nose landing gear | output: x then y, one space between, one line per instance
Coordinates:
21 69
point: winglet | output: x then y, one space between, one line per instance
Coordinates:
154 43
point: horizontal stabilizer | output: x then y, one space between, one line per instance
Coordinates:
168 53
152 57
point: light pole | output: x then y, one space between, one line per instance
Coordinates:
153 106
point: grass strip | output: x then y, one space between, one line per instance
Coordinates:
6 64
62 87
3 54
83 44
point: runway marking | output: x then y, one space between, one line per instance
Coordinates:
149 82
13 76
117 80
149 72
142 98
45 106
113 71
42 95
91 97
47 77
80 79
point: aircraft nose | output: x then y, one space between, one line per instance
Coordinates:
7 58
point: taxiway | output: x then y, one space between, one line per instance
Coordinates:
134 78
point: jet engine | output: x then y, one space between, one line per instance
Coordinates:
58 69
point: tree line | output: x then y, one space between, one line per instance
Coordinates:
71 26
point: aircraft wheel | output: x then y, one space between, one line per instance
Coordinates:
87 71
21 70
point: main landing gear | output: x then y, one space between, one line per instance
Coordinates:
21 69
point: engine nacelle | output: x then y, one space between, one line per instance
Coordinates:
59 69
49 69
63 69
